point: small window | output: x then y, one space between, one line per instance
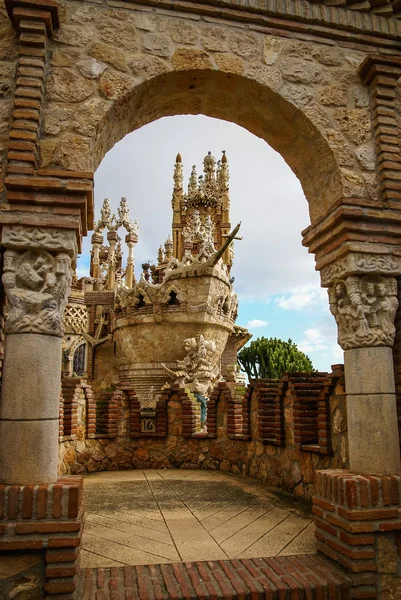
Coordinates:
141 301
173 299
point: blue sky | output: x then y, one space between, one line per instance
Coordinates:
278 288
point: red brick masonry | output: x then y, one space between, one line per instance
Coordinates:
358 521
49 518
281 578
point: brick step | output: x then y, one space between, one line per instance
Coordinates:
301 576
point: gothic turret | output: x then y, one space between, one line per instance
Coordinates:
207 197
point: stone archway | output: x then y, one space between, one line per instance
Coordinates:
77 80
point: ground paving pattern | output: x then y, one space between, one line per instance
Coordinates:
171 516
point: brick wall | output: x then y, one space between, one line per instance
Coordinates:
46 519
249 430
358 521
74 423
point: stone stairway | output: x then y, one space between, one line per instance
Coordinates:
300 577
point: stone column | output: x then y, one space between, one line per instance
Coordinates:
131 239
37 279
97 241
364 301
112 238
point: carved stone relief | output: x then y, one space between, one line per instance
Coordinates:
19 237
364 309
360 264
37 284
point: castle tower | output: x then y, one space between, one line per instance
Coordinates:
206 196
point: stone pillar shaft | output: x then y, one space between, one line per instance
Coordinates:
129 275
29 411
371 411
95 261
364 306
37 281
131 239
111 277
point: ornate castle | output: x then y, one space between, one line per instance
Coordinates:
177 323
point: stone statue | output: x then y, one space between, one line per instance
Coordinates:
198 371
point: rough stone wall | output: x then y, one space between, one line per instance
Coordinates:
288 466
100 88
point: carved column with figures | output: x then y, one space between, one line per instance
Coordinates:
37 279
363 299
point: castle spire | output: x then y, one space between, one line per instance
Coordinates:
207 197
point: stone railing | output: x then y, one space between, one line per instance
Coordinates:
278 431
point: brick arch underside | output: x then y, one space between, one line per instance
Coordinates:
238 99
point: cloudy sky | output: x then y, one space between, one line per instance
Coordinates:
277 285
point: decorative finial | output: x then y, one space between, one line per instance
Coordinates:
209 163
224 157
193 180
178 174
168 248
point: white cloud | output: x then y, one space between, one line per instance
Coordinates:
82 271
255 323
313 341
308 297
320 340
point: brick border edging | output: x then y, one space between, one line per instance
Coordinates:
290 577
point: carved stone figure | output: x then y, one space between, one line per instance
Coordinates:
364 309
199 370
235 374
37 284
200 231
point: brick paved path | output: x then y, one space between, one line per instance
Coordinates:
280 578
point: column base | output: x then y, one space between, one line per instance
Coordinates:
358 524
40 535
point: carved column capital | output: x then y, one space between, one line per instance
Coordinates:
364 307
37 278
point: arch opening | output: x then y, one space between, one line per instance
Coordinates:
240 100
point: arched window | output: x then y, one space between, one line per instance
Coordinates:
141 301
173 299
78 367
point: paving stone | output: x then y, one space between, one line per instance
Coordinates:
149 516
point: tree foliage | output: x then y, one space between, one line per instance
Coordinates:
269 358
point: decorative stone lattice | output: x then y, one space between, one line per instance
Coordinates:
76 318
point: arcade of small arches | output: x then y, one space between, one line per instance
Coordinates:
319 82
